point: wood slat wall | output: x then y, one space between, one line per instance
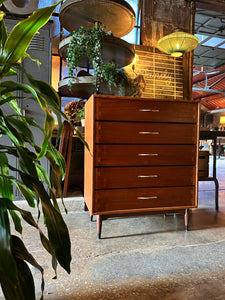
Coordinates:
162 73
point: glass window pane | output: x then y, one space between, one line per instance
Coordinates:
133 37
201 37
213 42
44 3
222 46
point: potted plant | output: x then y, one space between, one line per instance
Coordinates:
75 111
34 184
88 42
80 117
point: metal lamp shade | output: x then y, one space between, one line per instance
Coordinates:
178 43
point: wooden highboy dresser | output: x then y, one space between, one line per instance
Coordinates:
142 158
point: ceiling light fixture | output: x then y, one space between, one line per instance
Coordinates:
178 43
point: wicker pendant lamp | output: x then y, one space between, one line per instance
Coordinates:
178 43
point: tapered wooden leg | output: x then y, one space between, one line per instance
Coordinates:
99 226
91 218
186 219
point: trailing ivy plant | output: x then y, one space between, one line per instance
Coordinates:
116 77
88 42
33 183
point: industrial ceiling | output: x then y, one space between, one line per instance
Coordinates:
209 59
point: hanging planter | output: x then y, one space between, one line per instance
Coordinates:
88 42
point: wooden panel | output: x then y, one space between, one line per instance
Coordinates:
215 5
125 177
163 74
146 199
142 155
130 109
88 155
160 18
144 133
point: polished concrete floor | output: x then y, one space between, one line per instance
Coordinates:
150 257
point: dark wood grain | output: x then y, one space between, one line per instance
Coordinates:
125 177
136 199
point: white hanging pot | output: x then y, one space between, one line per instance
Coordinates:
82 122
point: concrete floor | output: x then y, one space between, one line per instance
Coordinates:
146 258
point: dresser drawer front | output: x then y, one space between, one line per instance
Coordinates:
144 155
145 110
128 177
147 198
144 133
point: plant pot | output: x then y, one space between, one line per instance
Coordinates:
114 49
83 87
82 122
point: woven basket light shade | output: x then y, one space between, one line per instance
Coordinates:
222 120
178 43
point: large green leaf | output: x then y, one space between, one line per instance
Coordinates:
58 167
27 216
49 127
43 174
8 270
28 194
46 91
20 252
21 128
10 131
57 230
48 94
22 34
26 162
11 86
17 221
3 35
6 185
1 1
25 286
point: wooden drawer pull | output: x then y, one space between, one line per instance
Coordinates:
147 198
148 132
148 154
147 109
147 176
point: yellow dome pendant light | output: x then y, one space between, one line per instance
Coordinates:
178 43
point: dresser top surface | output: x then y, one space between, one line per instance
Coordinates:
107 97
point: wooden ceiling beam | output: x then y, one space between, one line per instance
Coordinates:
215 5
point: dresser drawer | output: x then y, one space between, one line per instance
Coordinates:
144 155
144 133
131 109
146 198
126 177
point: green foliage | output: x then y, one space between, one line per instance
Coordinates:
80 114
34 184
75 110
88 42
118 78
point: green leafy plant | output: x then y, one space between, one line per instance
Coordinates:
33 183
88 42
75 110
116 77
80 114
